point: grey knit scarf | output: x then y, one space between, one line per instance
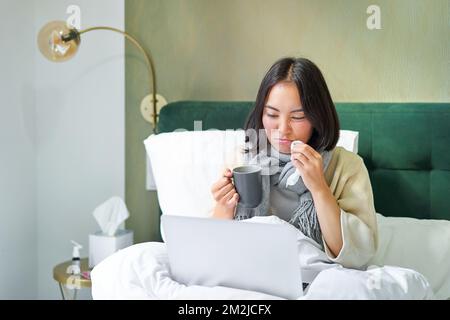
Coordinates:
277 168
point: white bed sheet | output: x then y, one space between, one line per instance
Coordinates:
142 272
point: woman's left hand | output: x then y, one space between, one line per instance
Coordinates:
310 165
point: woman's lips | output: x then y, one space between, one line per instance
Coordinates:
284 141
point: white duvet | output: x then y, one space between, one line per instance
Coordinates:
142 272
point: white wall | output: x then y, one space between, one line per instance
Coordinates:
80 133
61 137
17 154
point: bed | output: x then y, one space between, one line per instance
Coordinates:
405 147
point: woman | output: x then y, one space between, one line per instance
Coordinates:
332 201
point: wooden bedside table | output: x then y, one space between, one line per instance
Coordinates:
69 281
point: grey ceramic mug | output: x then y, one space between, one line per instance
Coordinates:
248 184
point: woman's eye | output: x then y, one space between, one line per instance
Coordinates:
272 115
298 118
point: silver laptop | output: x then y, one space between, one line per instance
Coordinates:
245 255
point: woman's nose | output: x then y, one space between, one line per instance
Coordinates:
284 127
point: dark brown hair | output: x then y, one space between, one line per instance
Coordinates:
315 98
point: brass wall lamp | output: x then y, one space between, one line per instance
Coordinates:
59 42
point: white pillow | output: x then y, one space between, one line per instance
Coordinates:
184 166
348 140
419 244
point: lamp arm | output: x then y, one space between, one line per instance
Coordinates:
148 60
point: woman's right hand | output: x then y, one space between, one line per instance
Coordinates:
225 195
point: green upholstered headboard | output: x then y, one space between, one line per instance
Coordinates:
405 146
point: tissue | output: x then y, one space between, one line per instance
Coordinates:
293 178
110 215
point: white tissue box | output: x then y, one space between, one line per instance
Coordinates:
102 246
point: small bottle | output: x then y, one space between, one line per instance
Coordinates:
75 267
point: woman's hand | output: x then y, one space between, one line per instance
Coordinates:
225 195
310 165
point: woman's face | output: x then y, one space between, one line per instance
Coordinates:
283 118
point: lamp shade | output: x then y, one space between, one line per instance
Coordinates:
57 42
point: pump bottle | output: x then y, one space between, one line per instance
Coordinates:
75 267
